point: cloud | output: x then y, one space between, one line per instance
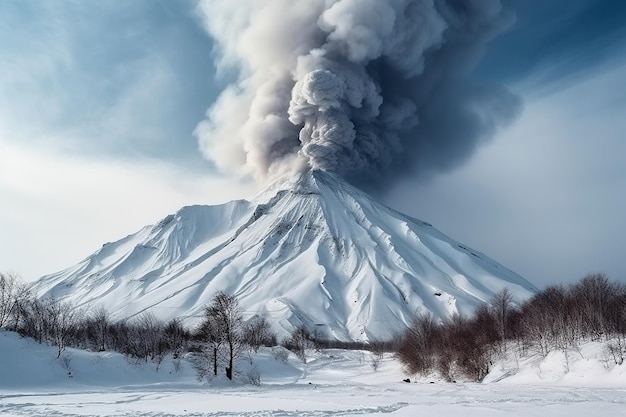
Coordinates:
98 104
545 198
109 78
64 207
370 90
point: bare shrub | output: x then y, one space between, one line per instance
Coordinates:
375 361
175 338
97 328
257 332
66 363
416 348
280 353
252 376
201 359
616 349
300 342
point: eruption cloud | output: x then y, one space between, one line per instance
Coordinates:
367 89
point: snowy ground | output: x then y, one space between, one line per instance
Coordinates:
320 400
334 383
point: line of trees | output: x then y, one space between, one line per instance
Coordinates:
557 318
220 339
61 324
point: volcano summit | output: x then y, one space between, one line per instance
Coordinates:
310 250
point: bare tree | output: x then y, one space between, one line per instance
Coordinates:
593 298
210 334
257 333
501 307
13 293
64 320
33 320
223 326
148 338
416 346
98 328
463 346
50 321
176 337
545 319
300 341
7 300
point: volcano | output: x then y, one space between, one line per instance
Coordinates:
311 249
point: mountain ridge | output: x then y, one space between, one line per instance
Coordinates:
311 249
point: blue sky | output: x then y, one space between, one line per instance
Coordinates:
99 101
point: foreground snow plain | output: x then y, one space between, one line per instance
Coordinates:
332 383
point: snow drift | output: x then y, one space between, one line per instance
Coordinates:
310 250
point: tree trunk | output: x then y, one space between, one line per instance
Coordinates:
229 370
215 360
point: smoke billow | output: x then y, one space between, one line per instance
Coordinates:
368 89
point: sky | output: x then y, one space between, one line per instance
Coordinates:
99 102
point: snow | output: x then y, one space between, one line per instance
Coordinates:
27 365
332 383
589 365
308 250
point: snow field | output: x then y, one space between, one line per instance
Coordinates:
332 383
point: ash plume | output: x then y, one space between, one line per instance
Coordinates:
367 89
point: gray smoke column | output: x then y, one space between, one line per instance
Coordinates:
368 89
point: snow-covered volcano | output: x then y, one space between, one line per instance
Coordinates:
312 249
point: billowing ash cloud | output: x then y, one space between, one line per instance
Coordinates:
368 89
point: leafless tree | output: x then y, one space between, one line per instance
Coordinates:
257 332
596 302
545 319
300 342
501 307
7 297
97 328
13 294
50 321
176 337
209 334
34 321
416 346
222 326
64 320
148 332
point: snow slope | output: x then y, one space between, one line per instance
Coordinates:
310 249
589 364
332 383
30 366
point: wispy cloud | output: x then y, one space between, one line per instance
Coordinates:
64 207
103 77
98 101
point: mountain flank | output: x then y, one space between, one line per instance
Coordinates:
310 250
